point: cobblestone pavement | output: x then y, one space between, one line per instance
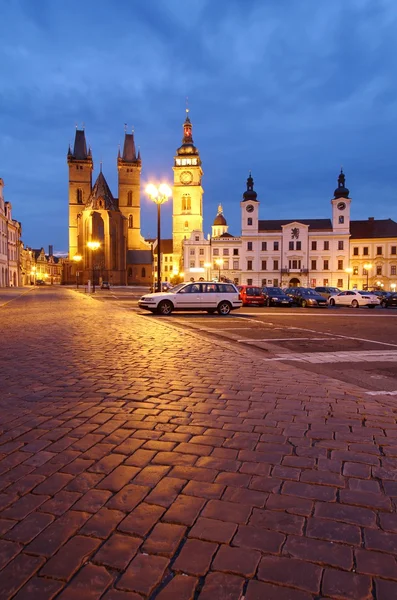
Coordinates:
142 461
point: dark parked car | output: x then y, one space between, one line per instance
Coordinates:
306 297
390 301
274 296
40 282
105 285
327 291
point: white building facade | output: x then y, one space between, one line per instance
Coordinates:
334 251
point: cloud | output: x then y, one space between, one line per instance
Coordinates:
288 89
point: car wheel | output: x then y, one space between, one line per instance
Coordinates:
224 308
211 311
354 304
165 308
332 302
268 302
383 304
303 304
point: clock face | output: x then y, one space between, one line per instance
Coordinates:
186 177
341 205
249 208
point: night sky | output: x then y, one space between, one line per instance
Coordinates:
290 89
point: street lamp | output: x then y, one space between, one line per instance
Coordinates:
159 195
367 267
207 266
219 262
77 258
93 246
349 271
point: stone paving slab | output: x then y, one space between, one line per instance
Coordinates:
141 461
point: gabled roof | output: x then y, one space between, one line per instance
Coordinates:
167 247
373 228
313 224
139 257
226 235
101 197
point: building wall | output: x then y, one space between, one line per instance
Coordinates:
381 254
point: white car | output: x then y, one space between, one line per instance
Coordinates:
354 298
203 295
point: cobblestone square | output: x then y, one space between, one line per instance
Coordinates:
139 460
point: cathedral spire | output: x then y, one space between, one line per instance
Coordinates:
80 146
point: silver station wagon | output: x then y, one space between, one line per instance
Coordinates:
202 295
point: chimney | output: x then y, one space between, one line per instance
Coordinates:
371 218
50 250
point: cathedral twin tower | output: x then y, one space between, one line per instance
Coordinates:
124 257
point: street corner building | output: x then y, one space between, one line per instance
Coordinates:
123 256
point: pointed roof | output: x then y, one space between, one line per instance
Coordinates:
101 197
80 146
188 146
129 153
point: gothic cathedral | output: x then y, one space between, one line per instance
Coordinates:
123 256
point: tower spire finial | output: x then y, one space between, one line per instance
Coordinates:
187 104
100 166
125 127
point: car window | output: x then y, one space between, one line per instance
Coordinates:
227 288
188 289
211 288
253 291
320 289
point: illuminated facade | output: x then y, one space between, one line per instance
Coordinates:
123 256
10 234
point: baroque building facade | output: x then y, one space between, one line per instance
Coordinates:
334 251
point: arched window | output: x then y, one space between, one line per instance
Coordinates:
79 196
130 222
186 224
129 198
186 202
143 272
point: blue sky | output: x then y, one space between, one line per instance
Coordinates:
291 89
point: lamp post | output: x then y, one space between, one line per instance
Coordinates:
207 266
367 267
77 259
93 246
219 262
349 271
158 195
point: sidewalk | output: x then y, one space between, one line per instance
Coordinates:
142 461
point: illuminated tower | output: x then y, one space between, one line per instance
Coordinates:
129 166
80 185
187 192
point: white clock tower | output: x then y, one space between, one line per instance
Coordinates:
187 192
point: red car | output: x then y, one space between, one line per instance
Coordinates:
251 295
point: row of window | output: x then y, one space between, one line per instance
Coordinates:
379 250
186 161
